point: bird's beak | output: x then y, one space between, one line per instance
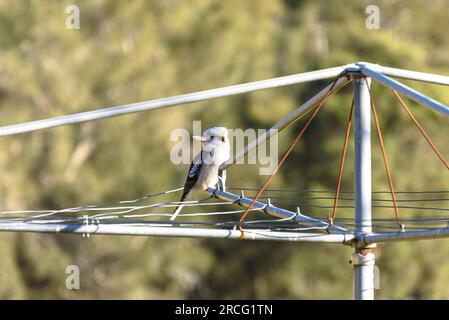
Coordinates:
200 138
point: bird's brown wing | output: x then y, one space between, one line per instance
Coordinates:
192 177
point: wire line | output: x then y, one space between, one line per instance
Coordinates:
342 163
410 114
384 155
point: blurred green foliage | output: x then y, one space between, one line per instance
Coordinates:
129 51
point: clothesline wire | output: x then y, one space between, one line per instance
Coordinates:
333 191
128 209
352 199
340 219
352 206
128 212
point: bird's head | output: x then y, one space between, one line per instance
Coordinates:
214 135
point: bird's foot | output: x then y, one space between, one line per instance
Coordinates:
221 185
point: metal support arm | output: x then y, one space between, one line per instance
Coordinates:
411 93
171 231
278 212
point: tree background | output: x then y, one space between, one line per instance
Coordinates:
129 51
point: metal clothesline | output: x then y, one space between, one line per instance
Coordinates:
132 210
283 225
95 219
124 209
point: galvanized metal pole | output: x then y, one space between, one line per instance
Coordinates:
363 259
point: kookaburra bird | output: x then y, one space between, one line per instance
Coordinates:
205 170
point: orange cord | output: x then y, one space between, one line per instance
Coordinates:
404 106
342 163
284 157
384 154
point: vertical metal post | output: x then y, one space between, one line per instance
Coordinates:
363 259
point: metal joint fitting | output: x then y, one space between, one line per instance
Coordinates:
358 259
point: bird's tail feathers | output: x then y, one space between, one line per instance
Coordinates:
176 212
185 196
